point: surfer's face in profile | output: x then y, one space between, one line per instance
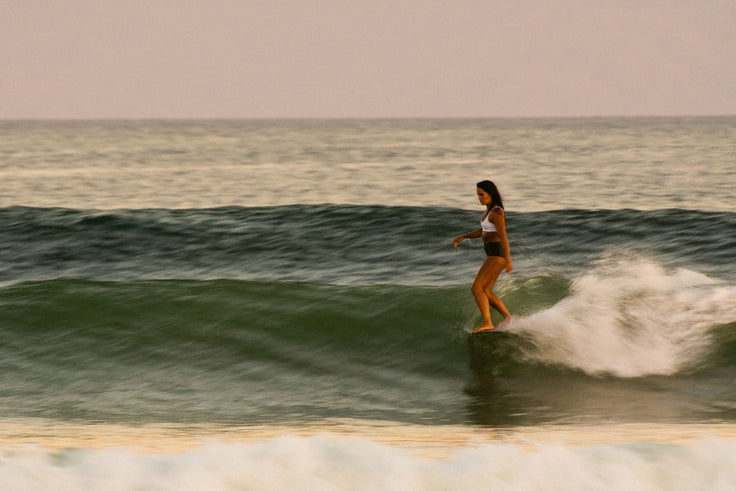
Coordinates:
484 198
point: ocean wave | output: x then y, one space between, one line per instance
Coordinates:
342 244
623 319
71 330
226 350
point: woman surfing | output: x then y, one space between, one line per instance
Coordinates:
498 256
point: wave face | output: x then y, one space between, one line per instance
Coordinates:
262 315
223 350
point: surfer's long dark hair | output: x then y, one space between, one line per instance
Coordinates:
492 190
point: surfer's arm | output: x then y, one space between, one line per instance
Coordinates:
500 222
475 234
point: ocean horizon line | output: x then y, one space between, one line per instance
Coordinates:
368 118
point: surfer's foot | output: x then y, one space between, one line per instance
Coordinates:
484 327
505 321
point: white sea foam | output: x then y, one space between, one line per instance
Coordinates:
335 463
632 319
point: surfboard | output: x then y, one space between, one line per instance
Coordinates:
488 331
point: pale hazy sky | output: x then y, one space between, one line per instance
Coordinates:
365 58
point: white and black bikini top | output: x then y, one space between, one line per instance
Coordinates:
486 224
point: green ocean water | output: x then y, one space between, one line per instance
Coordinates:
253 274
202 315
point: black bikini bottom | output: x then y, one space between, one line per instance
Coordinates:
493 249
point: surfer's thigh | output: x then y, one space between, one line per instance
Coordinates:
489 271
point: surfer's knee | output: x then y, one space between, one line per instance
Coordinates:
476 287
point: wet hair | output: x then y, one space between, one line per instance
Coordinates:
492 191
